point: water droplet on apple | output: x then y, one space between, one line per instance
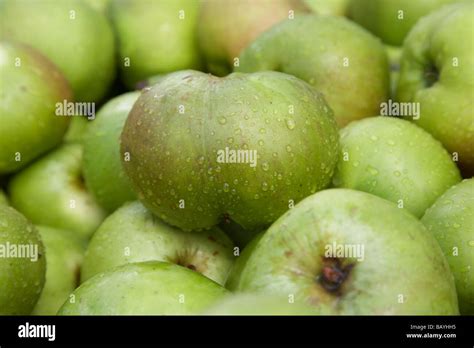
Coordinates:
372 170
290 123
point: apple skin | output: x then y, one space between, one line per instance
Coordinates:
174 156
381 17
225 28
233 280
102 154
328 7
257 304
99 5
145 288
82 47
77 130
401 258
314 48
51 192
28 95
445 98
3 198
133 234
64 254
394 54
154 37
451 221
396 160
21 279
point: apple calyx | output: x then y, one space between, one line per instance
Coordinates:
193 259
431 75
333 274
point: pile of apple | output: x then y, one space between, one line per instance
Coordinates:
247 157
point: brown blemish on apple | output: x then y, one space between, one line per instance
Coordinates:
191 267
79 183
226 219
333 275
193 260
288 253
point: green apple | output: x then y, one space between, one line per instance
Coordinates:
257 304
3 198
51 192
391 20
394 54
336 56
199 149
133 234
99 5
64 253
232 282
30 87
225 28
22 263
451 220
77 130
145 288
155 37
436 72
74 36
102 153
349 252
328 7
396 160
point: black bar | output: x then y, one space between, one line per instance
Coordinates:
256 330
